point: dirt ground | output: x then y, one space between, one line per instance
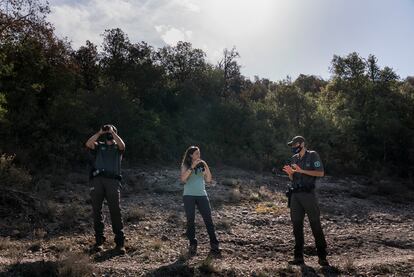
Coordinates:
368 231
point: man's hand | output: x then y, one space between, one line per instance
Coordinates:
296 169
288 169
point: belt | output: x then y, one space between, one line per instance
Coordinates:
106 174
303 187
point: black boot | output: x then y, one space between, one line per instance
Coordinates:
215 251
98 246
120 249
297 260
192 249
323 261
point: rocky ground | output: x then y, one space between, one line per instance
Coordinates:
369 226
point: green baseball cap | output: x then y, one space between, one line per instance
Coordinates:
295 140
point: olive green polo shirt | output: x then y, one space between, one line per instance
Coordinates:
108 158
309 161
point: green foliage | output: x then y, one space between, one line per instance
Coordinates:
11 175
53 98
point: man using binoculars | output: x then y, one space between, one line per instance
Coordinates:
106 183
306 166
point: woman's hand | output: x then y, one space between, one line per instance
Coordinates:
207 173
196 162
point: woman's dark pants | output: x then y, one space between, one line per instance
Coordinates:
203 205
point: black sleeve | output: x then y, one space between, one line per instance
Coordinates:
316 162
294 159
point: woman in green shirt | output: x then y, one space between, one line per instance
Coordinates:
194 173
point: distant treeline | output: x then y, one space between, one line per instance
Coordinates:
53 97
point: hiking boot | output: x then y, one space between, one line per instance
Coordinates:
119 250
323 261
215 252
98 246
297 261
192 249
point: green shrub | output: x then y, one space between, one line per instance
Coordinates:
12 176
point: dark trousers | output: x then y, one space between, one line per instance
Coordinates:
109 189
306 203
203 205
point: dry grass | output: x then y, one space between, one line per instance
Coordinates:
223 224
48 209
280 197
69 265
288 271
207 266
234 196
135 214
75 264
62 246
70 214
230 182
255 197
156 245
11 249
5 243
265 194
382 269
349 266
270 207
35 246
39 233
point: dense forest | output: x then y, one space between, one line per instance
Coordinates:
53 97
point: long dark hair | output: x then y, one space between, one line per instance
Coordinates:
187 160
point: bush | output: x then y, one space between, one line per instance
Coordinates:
234 196
135 214
11 176
70 215
223 225
70 265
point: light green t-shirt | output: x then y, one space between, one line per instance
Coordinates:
195 185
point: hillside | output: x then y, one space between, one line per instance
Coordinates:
369 231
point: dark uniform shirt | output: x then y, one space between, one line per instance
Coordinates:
108 158
309 161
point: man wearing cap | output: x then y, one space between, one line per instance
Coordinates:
105 184
305 167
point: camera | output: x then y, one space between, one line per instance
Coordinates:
200 166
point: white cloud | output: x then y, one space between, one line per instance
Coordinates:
275 38
171 35
88 19
187 4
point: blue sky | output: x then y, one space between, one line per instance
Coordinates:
275 38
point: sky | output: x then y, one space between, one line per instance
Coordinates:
275 38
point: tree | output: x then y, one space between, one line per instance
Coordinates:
19 18
309 83
182 62
88 60
231 72
116 46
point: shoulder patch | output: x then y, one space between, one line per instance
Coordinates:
317 164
